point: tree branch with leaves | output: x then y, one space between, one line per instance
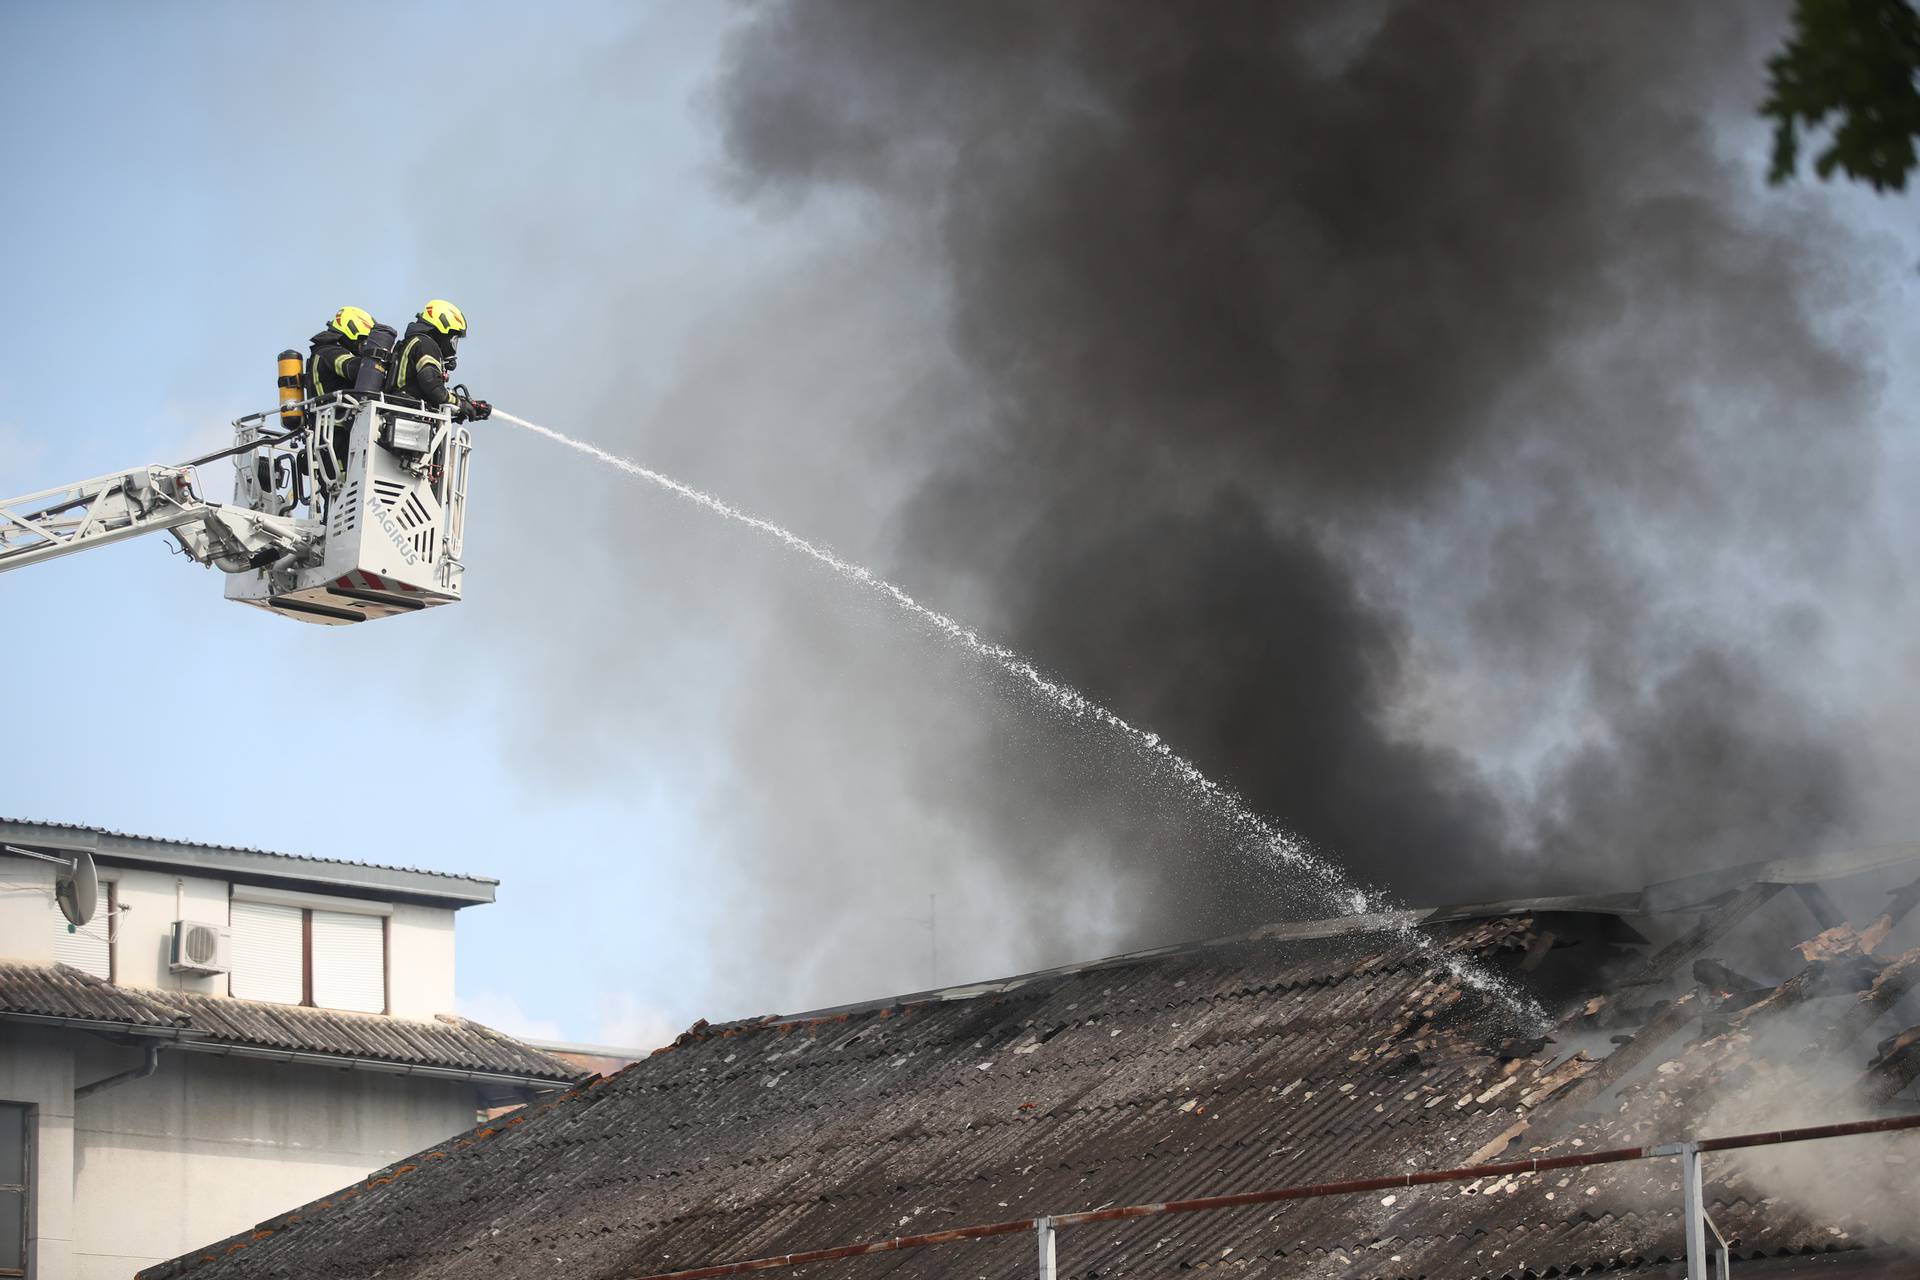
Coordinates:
1854 63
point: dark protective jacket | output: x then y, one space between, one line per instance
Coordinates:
331 365
420 365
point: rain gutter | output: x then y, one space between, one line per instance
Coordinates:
141 1072
191 1040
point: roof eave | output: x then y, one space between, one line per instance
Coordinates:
455 891
194 1041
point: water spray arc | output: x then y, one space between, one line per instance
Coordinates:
1251 833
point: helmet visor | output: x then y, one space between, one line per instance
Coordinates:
453 340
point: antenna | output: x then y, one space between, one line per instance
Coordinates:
932 921
76 888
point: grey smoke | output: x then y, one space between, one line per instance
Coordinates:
1333 354
1423 415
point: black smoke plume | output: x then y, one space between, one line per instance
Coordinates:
1384 399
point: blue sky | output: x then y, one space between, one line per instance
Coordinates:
190 189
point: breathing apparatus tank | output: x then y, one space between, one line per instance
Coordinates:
376 353
290 391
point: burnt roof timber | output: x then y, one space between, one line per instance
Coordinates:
1903 901
1895 1069
1713 926
1893 986
1822 906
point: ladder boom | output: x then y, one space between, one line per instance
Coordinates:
106 509
59 522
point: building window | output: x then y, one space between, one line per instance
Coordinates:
269 947
16 1167
88 948
305 955
349 961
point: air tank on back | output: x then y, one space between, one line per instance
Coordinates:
376 353
290 391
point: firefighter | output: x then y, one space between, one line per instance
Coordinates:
334 363
427 354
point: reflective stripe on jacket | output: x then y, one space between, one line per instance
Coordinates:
421 369
331 366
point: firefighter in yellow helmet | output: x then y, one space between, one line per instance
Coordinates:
334 361
427 353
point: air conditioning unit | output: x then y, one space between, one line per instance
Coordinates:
199 948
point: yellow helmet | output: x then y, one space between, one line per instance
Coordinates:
444 316
352 323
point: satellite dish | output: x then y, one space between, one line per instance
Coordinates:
77 890
77 886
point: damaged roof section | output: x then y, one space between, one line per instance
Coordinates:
1288 1056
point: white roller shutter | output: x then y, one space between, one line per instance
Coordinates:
85 948
266 952
349 961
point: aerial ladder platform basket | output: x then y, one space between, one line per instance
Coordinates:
344 509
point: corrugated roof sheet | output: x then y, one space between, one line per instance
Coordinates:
237 848
455 1043
1261 1063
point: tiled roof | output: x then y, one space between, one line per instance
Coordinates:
1265 1062
57 991
236 848
453 1044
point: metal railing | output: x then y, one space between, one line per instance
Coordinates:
1047 1228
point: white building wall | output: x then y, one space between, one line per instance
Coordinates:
419 944
210 1146
26 898
420 961
144 931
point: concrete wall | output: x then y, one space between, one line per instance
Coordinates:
210 1146
206 1147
